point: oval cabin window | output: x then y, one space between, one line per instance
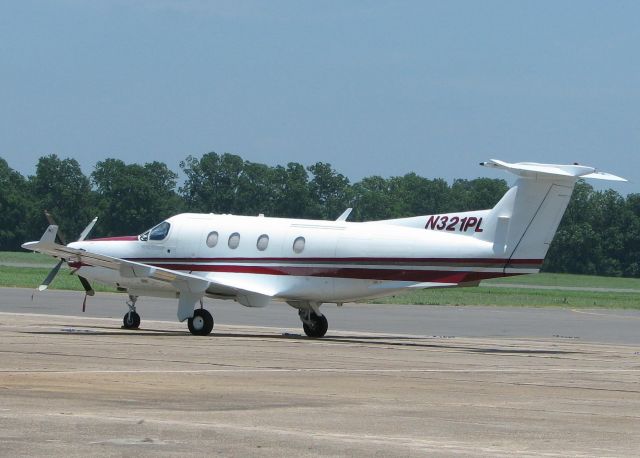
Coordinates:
212 239
234 240
263 242
298 245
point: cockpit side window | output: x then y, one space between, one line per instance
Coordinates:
158 232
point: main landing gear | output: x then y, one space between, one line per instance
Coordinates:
131 319
314 325
201 324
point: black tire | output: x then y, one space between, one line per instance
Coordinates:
201 324
318 326
131 320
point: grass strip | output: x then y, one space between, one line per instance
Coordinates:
516 297
31 277
26 257
554 279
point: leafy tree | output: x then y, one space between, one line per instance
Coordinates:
227 184
599 234
414 195
293 197
373 200
329 190
477 194
631 233
15 207
134 197
213 183
60 187
255 190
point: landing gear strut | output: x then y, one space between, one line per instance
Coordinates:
314 325
131 319
201 323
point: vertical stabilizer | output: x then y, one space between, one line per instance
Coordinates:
523 223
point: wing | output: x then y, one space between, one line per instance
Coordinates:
191 287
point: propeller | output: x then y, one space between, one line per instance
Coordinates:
89 291
45 284
52 222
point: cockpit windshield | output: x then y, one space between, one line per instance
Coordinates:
158 232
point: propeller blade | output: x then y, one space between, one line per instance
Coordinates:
52 222
45 284
87 229
87 286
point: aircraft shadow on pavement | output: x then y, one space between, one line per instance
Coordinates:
389 341
382 341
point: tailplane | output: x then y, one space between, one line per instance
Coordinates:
523 223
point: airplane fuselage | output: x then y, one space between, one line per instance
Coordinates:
306 260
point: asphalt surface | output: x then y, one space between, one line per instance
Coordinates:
592 325
386 381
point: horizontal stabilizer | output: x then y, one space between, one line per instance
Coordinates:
603 176
535 170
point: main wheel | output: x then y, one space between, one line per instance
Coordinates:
131 320
201 323
318 326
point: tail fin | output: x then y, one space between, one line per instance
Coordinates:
522 224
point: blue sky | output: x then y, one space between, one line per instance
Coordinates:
373 87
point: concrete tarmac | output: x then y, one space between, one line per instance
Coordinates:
79 386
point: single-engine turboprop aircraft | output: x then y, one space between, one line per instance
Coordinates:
255 259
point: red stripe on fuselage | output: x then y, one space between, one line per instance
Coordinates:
350 268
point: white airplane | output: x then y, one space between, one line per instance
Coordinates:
306 263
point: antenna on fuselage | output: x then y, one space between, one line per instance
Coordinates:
345 214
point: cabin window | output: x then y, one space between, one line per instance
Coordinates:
212 239
234 240
158 232
263 242
298 245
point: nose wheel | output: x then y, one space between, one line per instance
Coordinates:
131 319
201 324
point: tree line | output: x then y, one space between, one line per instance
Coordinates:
599 234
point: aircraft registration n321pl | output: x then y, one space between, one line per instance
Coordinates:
306 263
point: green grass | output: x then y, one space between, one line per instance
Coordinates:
585 281
518 297
31 277
26 257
